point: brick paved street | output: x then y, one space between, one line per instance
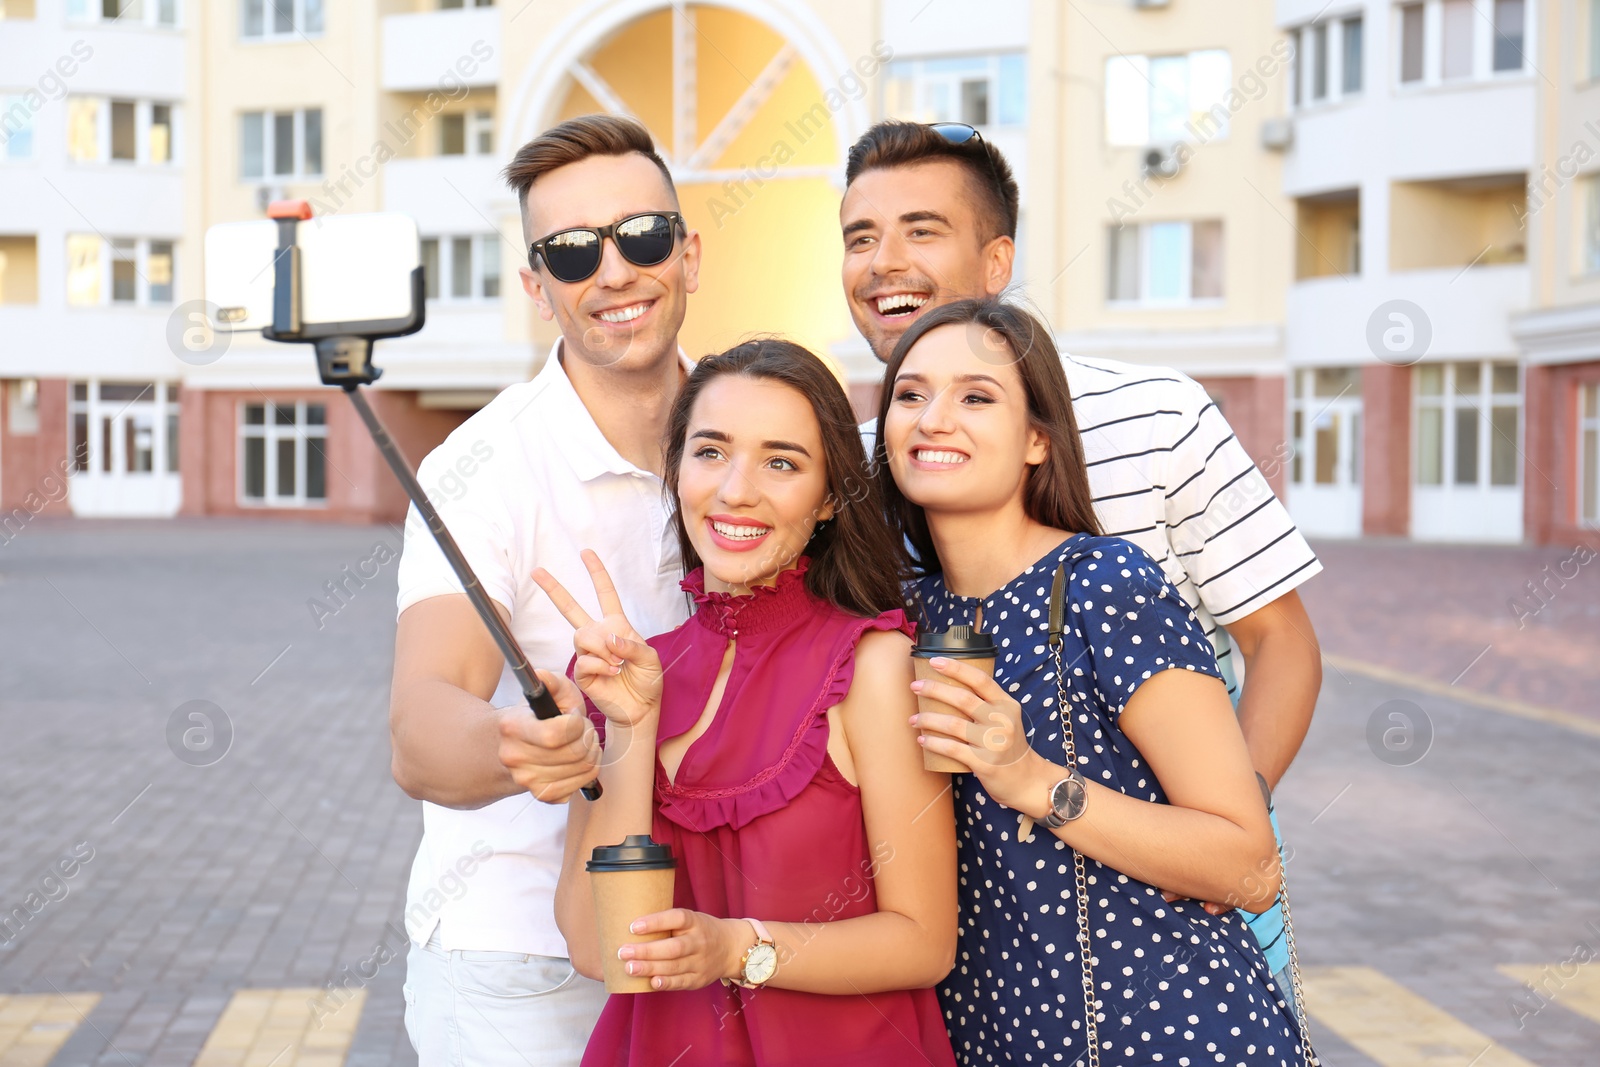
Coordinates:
269 872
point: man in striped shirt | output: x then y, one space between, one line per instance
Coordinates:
930 216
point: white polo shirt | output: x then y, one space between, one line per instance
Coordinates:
1167 473
528 481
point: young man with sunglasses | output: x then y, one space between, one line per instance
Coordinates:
567 461
930 216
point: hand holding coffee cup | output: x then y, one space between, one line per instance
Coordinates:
981 727
615 667
958 642
629 881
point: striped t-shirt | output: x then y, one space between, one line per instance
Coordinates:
1167 473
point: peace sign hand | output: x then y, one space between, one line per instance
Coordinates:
615 668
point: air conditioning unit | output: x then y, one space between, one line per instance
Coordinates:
1150 3
266 194
1277 134
1161 161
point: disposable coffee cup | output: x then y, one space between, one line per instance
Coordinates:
958 642
629 880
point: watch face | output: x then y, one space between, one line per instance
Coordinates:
761 964
1070 798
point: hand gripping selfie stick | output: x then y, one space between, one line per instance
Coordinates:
344 358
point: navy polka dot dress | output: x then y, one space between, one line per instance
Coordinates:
1174 984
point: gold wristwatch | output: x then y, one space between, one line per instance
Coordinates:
760 961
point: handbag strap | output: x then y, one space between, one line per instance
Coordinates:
1056 629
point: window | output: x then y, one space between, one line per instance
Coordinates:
1164 99
1456 30
1350 37
1165 263
16 128
1327 60
1509 21
269 19
987 90
280 144
1325 420
16 9
1319 61
1591 226
1594 39
122 270
466 133
462 268
19 269
1468 424
1411 43
124 136
1444 41
283 454
123 131
162 13
1589 455
480 133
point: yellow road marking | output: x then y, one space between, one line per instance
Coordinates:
1392 1025
1573 985
295 1027
1532 712
34 1027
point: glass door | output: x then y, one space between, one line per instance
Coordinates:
1325 430
124 449
1467 454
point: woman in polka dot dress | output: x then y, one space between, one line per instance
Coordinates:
985 472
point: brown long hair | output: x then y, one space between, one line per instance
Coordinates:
1056 492
857 563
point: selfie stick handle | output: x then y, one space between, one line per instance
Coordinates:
533 690
344 358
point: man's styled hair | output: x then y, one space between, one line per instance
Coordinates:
900 144
575 140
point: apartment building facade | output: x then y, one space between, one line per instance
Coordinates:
1413 142
1559 333
1321 213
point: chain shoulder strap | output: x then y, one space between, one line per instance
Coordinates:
1058 608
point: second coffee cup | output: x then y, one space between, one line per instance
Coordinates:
958 642
629 880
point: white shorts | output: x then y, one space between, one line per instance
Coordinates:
487 1009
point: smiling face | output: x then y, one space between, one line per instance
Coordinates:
623 315
913 240
957 429
753 483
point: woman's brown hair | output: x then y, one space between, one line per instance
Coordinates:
1056 492
857 563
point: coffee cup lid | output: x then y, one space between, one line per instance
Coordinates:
958 642
636 853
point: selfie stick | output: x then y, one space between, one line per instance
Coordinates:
344 358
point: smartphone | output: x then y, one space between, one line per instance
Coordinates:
353 268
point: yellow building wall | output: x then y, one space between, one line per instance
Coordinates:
1079 183
771 245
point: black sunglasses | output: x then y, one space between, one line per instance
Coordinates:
572 255
961 133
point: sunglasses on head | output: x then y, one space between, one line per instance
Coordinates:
572 255
961 133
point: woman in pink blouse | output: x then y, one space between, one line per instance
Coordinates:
766 741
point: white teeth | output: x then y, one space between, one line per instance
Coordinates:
627 314
930 456
739 533
900 301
